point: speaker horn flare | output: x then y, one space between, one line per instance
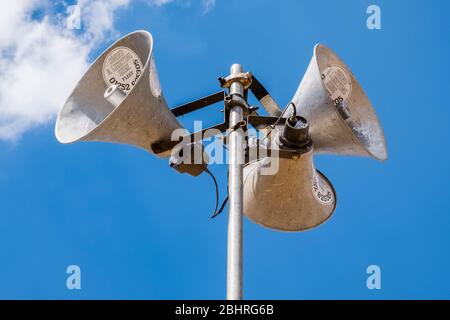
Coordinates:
119 99
295 197
342 119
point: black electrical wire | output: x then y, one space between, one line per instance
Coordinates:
238 125
217 210
279 118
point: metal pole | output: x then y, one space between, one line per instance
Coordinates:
235 163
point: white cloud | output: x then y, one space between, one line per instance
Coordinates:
98 17
208 5
37 77
159 3
41 60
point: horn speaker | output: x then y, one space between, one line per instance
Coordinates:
341 117
296 197
119 99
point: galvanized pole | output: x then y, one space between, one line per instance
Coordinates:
235 162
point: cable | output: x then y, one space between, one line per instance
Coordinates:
279 118
221 208
216 212
238 125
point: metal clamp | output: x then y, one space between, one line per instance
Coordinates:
235 100
244 77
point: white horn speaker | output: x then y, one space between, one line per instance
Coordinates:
119 99
341 117
295 197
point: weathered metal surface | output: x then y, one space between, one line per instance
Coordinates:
236 146
341 117
143 117
296 198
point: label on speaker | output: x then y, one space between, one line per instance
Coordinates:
338 83
322 191
122 67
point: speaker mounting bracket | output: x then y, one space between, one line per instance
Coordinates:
284 152
198 104
229 102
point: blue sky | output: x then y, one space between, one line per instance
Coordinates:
139 230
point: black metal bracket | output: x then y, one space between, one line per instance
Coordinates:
250 112
284 153
258 121
198 104
163 146
264 97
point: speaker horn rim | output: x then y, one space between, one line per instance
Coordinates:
384 155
